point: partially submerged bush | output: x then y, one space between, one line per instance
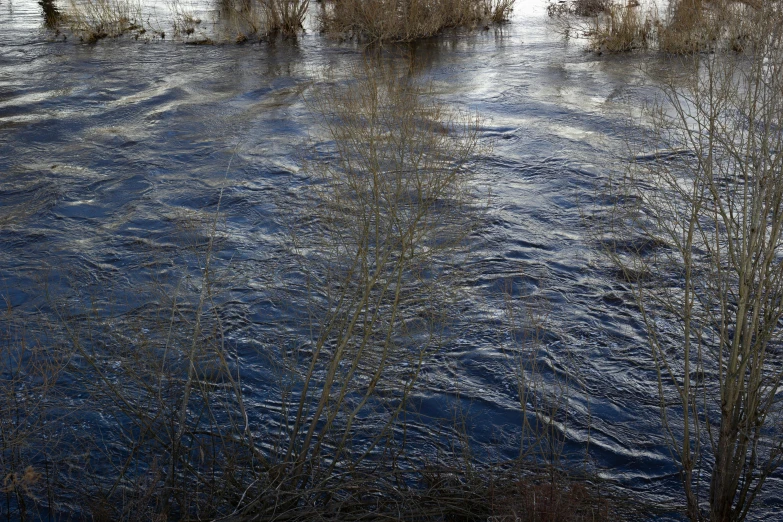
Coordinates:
406 20
590 7
93 20
584 8
244 19
50 12
284 16
609 25
621 28
695 26
239 21
689 26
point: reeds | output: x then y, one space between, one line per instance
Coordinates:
621 28
688 26
93 20
407 20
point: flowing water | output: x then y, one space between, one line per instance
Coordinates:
106 149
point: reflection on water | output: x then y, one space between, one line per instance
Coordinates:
107 152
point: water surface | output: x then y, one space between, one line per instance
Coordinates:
109 151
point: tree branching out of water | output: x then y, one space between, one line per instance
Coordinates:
709 279
389 203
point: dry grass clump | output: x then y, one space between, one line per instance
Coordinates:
243 19
692 26
696 25
407 20
621 28
93 20
689 26
240 20
184 21
590 7
609 25
584 8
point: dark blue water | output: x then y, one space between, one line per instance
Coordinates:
110 153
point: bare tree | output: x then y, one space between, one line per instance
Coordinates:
707 268
377 242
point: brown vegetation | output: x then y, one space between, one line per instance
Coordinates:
689 26
406 20
284 17
585 8
621 28
93 20
368 20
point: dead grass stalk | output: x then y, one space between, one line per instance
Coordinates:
406 20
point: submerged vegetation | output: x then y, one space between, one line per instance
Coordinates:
395 21
687 26
367 20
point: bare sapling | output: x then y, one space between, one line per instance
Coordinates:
29 374
705 220
284 17
157 367
390 208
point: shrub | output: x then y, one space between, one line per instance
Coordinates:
584 8
620 29
713 207
284 16
93 20
406 20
